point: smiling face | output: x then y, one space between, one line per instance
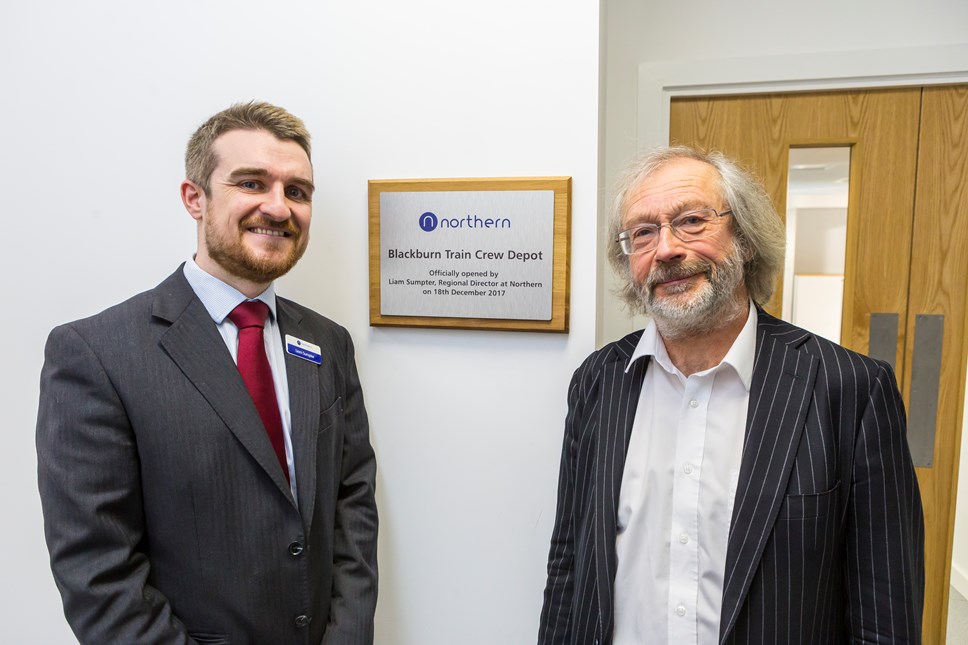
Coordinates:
687 287
253 226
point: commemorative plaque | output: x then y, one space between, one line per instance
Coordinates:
470 253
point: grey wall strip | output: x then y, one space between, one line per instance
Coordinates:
925 381
883 338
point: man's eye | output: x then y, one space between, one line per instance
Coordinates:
249 184
690 220
643 233
295 192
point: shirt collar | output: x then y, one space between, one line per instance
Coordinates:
220 298
740 356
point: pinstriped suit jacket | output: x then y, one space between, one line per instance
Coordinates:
826 541
167 516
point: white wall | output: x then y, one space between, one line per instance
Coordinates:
959 555
99 99
821 238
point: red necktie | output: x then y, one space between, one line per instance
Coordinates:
250 318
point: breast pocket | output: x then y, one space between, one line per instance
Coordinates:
805 507
329 417
208 639
808 530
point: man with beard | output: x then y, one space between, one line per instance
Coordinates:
203 450
727 477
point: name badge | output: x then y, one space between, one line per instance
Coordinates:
304 350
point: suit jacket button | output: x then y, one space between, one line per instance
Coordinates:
295 548
302 621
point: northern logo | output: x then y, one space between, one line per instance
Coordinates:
428 221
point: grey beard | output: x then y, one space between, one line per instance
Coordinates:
714 305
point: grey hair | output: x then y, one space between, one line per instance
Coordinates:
759 231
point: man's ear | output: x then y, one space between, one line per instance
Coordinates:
745 248
193 197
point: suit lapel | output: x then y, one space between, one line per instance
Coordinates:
303 377
781 392
193 342
618 401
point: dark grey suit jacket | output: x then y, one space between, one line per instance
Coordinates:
827 536
167 515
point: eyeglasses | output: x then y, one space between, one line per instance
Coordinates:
688 227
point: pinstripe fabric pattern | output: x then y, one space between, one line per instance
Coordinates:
826 542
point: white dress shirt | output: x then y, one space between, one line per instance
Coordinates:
676 500
220 299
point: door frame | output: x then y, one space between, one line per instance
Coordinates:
659 83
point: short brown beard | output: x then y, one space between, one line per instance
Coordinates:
236 259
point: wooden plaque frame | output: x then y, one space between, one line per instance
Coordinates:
561 261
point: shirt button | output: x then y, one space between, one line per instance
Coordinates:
680 611
687 468
302 621
295 548
683 538
694 403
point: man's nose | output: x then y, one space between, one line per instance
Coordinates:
275 205
669 247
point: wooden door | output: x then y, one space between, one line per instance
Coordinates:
907 242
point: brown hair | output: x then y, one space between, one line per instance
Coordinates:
200 157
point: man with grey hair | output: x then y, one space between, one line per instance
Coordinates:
203 450
726 477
